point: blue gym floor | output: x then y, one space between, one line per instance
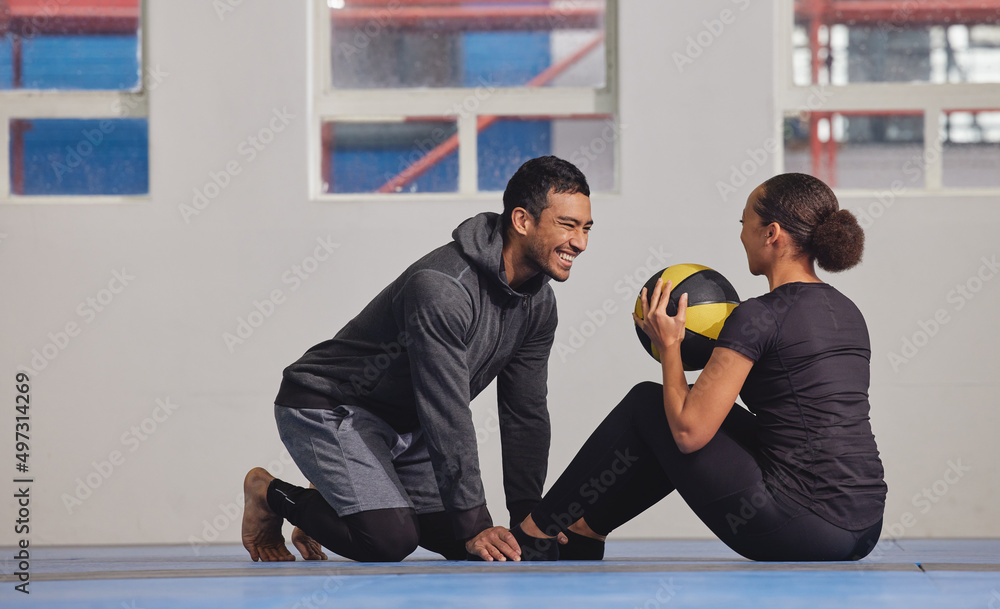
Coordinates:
635 574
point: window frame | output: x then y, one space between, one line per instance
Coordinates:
327 104
38 104
932 99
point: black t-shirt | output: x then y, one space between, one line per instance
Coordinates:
809 389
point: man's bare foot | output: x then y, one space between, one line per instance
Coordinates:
308 547
261 527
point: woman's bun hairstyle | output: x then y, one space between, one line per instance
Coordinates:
806 209
838 242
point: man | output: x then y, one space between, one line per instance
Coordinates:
378 417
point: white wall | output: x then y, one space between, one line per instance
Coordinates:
161 337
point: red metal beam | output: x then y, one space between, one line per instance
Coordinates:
911 112
17 59
77 17
450 145
327 138
454 15
816 8
901 13
831 159
17 129
815 146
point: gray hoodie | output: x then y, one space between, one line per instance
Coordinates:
428 344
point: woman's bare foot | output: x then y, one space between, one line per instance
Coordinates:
261 527
308 547
531 529
580 527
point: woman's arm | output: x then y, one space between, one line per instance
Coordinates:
694 415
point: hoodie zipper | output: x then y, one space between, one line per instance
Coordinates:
496 347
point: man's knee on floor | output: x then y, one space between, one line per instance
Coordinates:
385 535
393 546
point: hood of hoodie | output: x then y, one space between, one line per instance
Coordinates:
480 239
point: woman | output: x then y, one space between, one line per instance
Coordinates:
795 478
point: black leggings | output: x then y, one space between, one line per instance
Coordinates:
387 535
631 461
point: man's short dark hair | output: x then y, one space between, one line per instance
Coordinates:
530 186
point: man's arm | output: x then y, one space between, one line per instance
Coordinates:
436 313
525 432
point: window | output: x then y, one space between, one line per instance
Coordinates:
971 152
861 149
401 150
442 96
900 95
72 100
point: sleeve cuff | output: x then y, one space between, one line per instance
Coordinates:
469 523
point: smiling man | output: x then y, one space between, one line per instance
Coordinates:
378 418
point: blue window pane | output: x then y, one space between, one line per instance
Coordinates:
72 62
79 157
6 63
506 145
365 157
367 171
504 58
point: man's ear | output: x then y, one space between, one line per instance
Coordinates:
520 220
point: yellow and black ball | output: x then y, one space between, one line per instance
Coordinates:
711 298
